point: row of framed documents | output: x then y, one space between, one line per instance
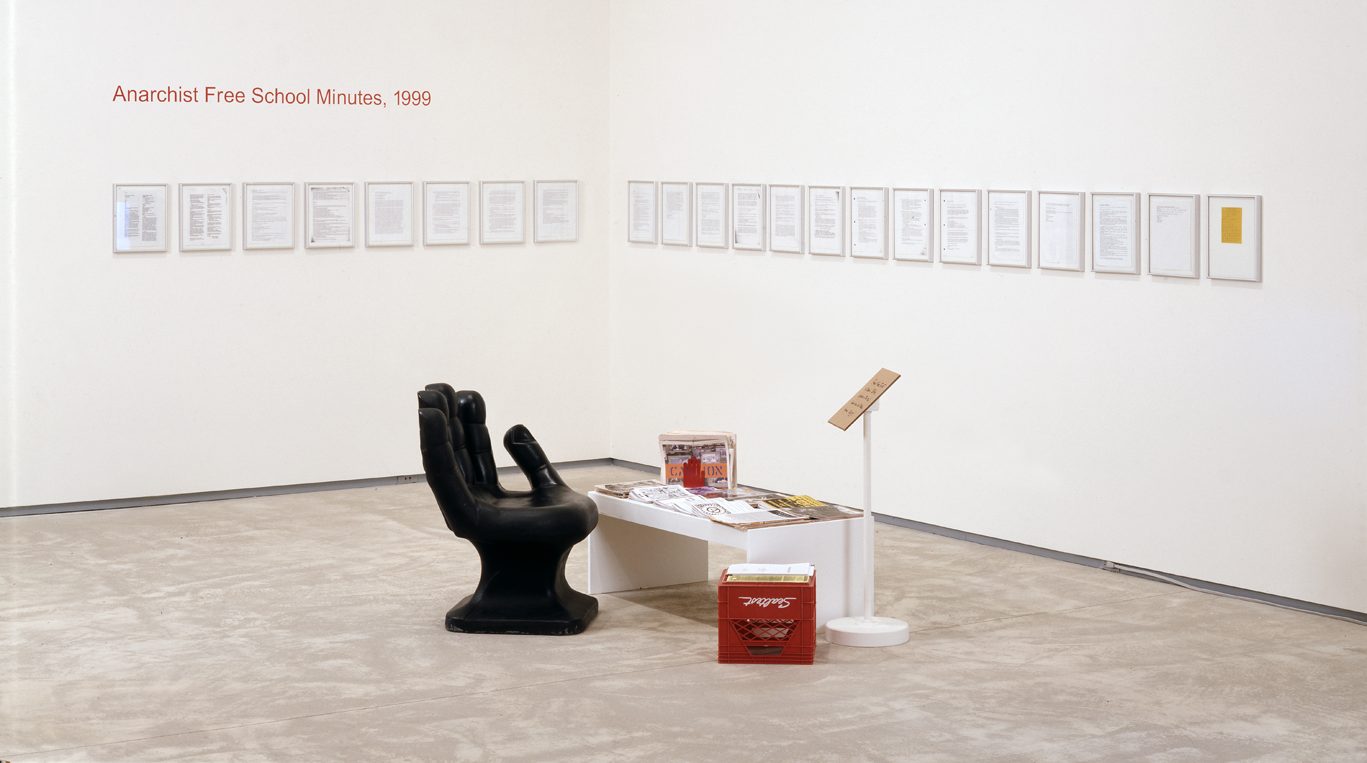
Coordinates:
141 214
1006 228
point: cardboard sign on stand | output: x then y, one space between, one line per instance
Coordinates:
866 630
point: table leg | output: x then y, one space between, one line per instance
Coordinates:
835 547
624 556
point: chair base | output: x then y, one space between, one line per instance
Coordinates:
569 614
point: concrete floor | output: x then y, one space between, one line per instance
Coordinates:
309 627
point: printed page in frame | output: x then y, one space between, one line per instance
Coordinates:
1115 233
911 226
1174 235
268 215
446 213
676 214
641 223
959 240
785 218
1061 230
140 218
1008 228
825 220
868 222
331 215
710 212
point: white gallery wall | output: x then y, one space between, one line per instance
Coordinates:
7 200
1210 429
1215 430
152 374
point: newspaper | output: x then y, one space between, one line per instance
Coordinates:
805 569
697 459
623 489
751 519
656 493
705 507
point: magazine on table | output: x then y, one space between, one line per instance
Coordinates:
698 459
623 489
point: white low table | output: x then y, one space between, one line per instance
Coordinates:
638 545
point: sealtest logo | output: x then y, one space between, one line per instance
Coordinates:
765 601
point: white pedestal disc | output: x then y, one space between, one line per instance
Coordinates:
866 631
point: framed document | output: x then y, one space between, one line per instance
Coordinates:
709 205
1008 228
445 213
140 218
747 216
869 222
389 214
785 218
268 215
1175 235
1115 233
1062 230
676 214
555 211
1235 233
330 220
912 223
641 227
502 212
959 237
826 220
206 217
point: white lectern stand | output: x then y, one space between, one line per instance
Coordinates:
867 630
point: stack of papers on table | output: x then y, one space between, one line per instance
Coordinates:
623 489
770 573
741 508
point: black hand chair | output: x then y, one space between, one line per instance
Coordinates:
523 537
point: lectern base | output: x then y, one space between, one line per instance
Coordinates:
866 631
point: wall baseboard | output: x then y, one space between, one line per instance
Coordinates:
249 492
1204 586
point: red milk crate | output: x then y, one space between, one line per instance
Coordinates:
766 622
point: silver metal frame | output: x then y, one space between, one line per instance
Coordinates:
725 216
655 203
412 212
1195 234
114 219
180 218
844 223
536 213
522 234
849 220
930 223
294 216
1138 231
801 217
1029 239
688 194
469 212
1257 200
307 217
1081 230
763 218
977 229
